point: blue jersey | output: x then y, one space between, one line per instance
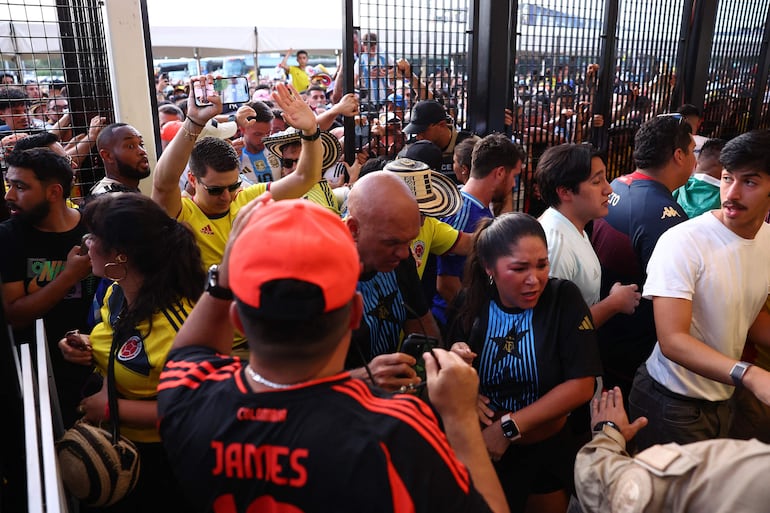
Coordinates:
523 354
464 220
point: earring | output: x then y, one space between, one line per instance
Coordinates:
120 260
491 280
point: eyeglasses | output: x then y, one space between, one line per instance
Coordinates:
288 163
217 190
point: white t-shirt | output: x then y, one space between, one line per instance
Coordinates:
571 255
726 277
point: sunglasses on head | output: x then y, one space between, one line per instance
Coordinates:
674 115
288 163
217 190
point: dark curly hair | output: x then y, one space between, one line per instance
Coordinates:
161 249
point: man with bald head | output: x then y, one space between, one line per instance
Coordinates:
121 148
383 218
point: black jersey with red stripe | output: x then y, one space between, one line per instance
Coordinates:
327 445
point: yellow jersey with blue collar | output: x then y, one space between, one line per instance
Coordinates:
211 232
140 356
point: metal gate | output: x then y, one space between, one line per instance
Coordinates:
734 69
625 60
55 51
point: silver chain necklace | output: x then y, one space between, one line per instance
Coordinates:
264 381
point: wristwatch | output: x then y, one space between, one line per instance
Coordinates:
510 429
600 425
212 285
313 137
738 371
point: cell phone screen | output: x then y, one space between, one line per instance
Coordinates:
199 96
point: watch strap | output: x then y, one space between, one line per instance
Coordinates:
600 425
313 137
510 429
738 372
213 288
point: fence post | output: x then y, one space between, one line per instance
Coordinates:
348 60
763 69
490 53
695 51
607 57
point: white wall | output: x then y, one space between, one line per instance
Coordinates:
129 74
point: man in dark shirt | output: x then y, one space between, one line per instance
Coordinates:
289 429
641 209
384 218
43 273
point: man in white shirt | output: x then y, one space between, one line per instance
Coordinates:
709 280
572 180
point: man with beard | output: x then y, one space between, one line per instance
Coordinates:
708 280
121 148
495 164
43 272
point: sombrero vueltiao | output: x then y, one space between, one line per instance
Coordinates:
331 145
436 195
322 79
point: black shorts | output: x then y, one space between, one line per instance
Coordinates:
539 468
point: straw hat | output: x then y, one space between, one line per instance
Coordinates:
331 145
437 195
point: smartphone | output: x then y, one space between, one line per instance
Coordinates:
415 344
74 340
202 93
234 92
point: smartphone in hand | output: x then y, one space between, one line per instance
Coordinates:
415 344
202 93
75 341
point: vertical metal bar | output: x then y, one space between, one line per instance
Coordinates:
688 31
150 71
603 100
695 61
763 69
348 76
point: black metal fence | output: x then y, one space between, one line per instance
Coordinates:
55 51
590 71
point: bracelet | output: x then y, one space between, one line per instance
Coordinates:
313 137
191 120
190 136
600 425
107 411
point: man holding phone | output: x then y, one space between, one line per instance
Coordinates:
215 175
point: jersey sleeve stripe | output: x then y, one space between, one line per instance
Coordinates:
408 414
402 500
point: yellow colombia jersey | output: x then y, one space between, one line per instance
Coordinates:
435 237
139 360
211 233
299 78
321 194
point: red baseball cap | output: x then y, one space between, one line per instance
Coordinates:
294 260
169 130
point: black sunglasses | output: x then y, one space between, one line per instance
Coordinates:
288 163
217 190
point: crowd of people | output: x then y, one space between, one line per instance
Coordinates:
261 305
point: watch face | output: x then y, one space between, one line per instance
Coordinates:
509 429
